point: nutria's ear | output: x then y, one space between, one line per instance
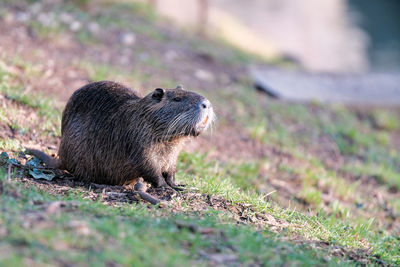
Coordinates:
158 94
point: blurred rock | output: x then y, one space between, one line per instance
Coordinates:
127 38
75 26
93 27
204 75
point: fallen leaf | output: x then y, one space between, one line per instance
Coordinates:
12 161
42 174
34 162
4 156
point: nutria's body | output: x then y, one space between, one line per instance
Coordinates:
110 135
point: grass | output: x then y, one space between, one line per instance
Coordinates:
284 124
9 87
10 144
384 119
128 235
384 174
325 227
12 89
295 129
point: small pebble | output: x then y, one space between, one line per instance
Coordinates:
127 38
75 26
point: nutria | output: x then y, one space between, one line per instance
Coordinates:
111 135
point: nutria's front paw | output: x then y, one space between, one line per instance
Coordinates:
168 183
169 187
170 179
178 188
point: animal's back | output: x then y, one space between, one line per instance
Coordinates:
92 125
95 98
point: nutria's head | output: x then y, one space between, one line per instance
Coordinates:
177 112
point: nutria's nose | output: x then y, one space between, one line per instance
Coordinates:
205 104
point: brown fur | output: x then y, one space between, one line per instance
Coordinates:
111 135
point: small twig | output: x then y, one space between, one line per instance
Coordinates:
22 166
140 192
268 194
147 197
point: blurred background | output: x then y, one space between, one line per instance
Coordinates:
325 36
351 37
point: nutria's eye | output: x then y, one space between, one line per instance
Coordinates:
176 99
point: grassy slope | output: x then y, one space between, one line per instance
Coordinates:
81 230
136 233
131 234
